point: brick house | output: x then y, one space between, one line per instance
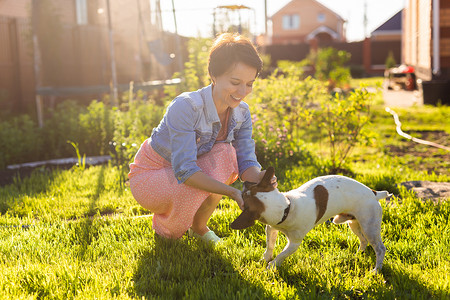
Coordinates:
426 46
318 27
301 21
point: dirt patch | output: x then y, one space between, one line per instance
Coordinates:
428 190
415 154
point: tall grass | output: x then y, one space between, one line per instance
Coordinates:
79 235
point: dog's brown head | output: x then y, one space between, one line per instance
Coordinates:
253 207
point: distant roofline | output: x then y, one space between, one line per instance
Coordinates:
391 19
327 8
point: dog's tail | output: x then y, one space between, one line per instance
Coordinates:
381 194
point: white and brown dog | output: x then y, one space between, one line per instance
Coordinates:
296 212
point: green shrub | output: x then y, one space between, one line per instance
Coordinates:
20 141
63 125
97 128
91 128
357 71
390 61
131 128
329 65
343 120
288 109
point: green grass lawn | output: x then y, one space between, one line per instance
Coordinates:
79 234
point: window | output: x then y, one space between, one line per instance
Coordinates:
321 17
81 7
291 22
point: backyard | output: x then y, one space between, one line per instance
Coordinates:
77 232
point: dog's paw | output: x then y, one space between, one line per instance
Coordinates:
272 265
267 256
376 271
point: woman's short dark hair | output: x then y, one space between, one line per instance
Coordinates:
229 49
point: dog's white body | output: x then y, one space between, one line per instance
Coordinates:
314 202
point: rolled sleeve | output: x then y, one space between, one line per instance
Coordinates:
245 145
181 118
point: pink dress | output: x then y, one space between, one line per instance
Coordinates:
154 186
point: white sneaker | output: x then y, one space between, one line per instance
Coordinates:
209 237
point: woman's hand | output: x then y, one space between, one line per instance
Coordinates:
253 174
206 183
237 196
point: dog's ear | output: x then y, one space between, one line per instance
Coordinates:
246 219
248 185
266 182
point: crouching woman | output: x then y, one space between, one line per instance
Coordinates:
201 146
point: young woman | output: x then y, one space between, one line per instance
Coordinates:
201 146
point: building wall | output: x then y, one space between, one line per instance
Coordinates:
445 34
15 8
417 34
308 10
76 55
424 37
417 37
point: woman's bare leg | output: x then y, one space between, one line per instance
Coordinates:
205 211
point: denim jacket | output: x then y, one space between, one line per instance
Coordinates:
190 127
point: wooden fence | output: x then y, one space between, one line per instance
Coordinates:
369 55
76 58
16 64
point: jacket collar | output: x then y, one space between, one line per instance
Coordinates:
211 111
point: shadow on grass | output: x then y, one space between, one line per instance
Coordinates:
187 268
86 234
401 284
36 182
99 188
396 283
17 198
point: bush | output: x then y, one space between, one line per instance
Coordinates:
63 125
289 109
390 61
357 71
20 141
92 128
343 120
329 64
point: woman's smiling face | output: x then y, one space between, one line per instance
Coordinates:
233 86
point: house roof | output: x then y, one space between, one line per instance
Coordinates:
320 4
394 24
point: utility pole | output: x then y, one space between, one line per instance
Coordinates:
113 58
365 19
265 18
35 14
177 40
